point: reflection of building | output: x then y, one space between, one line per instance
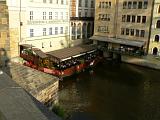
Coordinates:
155 31
82 18
123 25
8 33
41 23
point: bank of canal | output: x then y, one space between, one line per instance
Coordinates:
112 92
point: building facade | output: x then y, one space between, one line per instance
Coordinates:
154 47
81 20
43 24
123 25
8 34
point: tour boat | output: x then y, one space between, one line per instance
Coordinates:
62 63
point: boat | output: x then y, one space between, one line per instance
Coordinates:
62 63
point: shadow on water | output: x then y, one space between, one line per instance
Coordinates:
4 62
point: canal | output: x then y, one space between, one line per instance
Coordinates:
112 92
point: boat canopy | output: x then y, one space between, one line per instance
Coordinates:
68 53
136 43
39 53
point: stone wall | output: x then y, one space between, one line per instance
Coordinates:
42 86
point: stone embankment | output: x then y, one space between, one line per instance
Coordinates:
42 86
146 61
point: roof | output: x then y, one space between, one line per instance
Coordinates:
27 45
67 53
39 53
137 43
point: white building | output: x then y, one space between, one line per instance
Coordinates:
41 23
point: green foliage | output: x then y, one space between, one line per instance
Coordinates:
58 111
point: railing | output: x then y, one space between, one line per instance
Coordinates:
126 52
27 57
41 22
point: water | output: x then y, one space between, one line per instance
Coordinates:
112 92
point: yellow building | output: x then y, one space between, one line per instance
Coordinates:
123 25
154 47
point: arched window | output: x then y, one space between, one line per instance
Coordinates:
84 30
89 30
156 38
158 24
74 31
155 51
79 31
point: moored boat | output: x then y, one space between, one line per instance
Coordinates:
62 63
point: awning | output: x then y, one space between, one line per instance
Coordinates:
68 53
39 53
27 45
137 43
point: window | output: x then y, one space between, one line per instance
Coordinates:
124 5
139 5
66 29
56 30
44 1
137 33
100 4
92 4
61 32
142 33
50 31
127 31
107 5
80 3
144 19
50 1
159 9
31 15
129 5
66 15
145 4
62 2
80 14
110 4
56 15
128 18
156 38
50 15
138 19
133 18
85 14
158 24
123 18
122 31
44 31
132 32
44 15
134 5
86 3
62 15
103 4
31 32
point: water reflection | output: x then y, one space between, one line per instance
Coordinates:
112 92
